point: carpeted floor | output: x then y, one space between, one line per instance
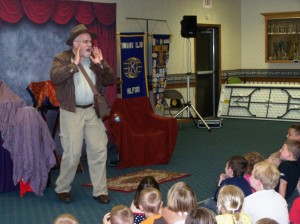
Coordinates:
201 153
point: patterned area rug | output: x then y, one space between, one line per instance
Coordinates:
129 182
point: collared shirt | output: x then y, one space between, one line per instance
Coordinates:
61 74
83 92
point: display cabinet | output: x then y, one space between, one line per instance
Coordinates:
282 36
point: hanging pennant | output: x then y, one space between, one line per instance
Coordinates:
133 65
160 56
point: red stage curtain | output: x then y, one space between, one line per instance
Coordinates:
99 17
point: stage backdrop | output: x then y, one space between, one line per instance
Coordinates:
132 47
160 56
32 32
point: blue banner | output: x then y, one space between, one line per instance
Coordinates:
133 66
160 56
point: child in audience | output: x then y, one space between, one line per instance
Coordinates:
200 216
180 200
295 212
139 215
265 202
234 175
289 168
230 201
293 134
66 219
266 221
120 214
252 158
274 159
150 203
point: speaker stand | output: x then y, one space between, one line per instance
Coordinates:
188 107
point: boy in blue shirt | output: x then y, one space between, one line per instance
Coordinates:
234 175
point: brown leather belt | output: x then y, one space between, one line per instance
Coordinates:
84 106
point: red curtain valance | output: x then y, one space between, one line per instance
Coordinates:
99 17
60 11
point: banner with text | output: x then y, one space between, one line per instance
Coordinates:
160 56
133 65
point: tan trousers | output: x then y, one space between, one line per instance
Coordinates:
74 127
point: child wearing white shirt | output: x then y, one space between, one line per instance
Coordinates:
265 202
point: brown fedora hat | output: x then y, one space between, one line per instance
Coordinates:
76 31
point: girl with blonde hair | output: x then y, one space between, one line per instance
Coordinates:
180 200
229 204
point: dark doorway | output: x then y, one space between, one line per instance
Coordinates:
207 62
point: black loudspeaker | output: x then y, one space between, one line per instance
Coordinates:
189 26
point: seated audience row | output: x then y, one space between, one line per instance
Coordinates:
252 190
264 206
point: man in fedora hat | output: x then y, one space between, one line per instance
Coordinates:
78 120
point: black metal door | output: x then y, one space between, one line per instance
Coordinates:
207 70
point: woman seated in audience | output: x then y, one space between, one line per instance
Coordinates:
229 204
180 200
200 216
139 215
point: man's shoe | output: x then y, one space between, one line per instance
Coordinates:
104 199
64 197
113 163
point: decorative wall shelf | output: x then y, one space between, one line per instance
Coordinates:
282 37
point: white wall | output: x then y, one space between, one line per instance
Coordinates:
242 27
225 13
253 39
